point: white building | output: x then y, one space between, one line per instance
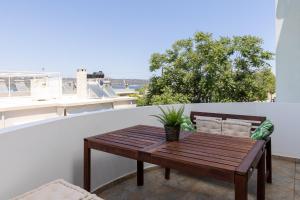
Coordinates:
288 50
29 97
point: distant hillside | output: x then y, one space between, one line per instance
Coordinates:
129 81
120 81
132 83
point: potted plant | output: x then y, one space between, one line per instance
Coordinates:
172 120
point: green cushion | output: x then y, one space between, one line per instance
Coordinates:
263 131
187 124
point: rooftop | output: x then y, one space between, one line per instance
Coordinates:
10 104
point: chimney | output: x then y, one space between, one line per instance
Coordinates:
81 78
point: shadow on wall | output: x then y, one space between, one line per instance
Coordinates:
100 162
288 50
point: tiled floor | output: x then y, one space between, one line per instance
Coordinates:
285 186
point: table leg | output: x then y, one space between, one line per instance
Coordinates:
167 173
140 173
87 166
241 187
261 169
269 161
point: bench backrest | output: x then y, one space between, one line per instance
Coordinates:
254 120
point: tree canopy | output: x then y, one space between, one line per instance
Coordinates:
205 69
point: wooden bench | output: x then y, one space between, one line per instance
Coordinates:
255 122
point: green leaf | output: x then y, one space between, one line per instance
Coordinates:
205 68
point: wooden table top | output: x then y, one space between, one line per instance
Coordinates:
201 153
130 141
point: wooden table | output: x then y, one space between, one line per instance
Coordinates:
225 158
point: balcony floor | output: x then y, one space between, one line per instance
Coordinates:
286 185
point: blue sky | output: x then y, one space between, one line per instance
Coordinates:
118 35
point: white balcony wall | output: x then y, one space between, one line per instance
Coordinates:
37 153
288 50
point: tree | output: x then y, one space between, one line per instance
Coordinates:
168 97
267 79
204 69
